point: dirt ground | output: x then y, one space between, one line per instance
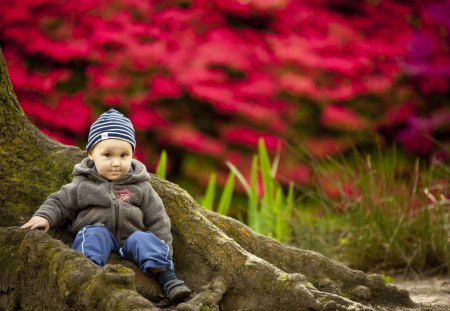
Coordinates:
431 294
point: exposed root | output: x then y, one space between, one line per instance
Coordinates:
209 297
336 302
326 274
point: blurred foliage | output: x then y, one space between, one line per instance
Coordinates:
205 80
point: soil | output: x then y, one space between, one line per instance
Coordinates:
431 294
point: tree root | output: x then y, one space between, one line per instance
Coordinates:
209 297
256 267
326 274
47 274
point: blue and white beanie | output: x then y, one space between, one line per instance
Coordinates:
111 124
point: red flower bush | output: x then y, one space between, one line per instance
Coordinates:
208 78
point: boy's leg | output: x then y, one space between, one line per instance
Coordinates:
96 242
152 254
148 251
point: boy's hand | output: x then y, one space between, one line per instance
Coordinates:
37 222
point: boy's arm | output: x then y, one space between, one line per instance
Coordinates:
156 219
57 209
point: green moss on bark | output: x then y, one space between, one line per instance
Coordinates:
38 271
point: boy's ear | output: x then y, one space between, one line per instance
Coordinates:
90 156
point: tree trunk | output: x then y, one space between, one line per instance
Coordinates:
228 266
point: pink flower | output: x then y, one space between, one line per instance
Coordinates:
193 140
340 92
250 137
59 136
224 100
249 7
400 113
61 51
259 86
38 111
430 85
162 86
298 173
216 46
417 135
377 84
45 83
73 113
113 100
297 84
102 78
323 146
16 69
340 117
145 118
236 7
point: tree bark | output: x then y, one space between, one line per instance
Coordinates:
228 266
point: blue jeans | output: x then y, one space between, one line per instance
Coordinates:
96 242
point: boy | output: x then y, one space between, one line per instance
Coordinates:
112 207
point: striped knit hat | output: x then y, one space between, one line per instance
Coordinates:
111 124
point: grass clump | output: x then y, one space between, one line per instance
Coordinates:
380 212
269 207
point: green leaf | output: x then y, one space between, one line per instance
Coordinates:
207 201
277 214
238 174
227 195
266 172
276 162
162 165
252 212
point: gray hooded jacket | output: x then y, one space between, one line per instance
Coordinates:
124 205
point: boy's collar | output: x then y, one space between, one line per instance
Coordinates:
94 169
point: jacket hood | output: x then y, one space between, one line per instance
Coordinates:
138 172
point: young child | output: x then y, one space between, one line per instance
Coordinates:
112 207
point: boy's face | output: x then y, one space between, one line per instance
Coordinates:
112 158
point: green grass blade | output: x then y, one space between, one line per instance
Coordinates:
265 172
207 201
252 212
276 162
240 177
227 195
277 214
162 165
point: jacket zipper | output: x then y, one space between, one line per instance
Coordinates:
116 212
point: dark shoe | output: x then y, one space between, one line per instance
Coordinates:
176 291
